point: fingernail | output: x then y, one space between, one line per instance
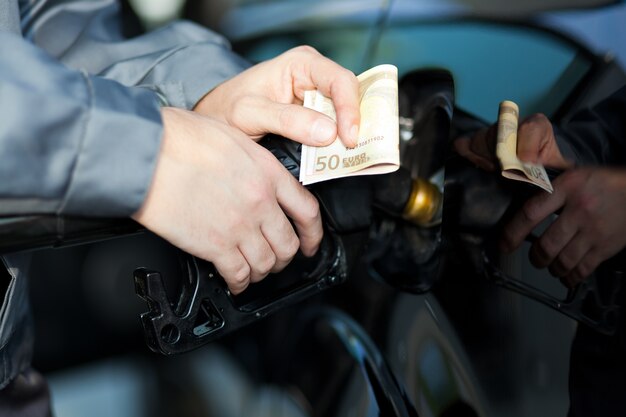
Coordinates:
354 135
323 131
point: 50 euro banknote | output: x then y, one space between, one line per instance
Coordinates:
377 150
506 150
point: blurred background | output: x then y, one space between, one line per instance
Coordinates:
504 354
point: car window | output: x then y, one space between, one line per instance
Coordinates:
490 61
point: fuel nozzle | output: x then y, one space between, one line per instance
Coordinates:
424 205
416 200
400 254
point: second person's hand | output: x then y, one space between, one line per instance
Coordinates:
536 143
589 230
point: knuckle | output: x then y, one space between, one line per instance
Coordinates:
266 159
343 77
288 249
531 211
291 248
240 278
535 128
537 119
349 76
525 128
583 270
587 204
219 244
236 116
265 266
310 211
566 261
256 197
547 246
234 225
306 49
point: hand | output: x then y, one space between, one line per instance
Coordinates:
589 230
535 143
267 98
221 197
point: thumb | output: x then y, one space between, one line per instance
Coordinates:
257 116
535 139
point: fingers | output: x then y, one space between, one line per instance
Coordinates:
259 255
302 207
283 80
484 143
283 240
463 146
479 149
264 250
269 242
562 247
578 240
570 256
234 268
258 115
277 243
273 245
533 134
536 143
586 266
552 243
589 230
336 82
533 212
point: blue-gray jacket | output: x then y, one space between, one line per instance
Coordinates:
80 127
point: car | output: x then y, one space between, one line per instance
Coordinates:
429 319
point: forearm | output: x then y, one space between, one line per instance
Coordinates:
71 143
597 136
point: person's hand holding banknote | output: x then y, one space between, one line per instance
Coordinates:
506 150
377 150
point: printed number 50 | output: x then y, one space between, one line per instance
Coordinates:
324 162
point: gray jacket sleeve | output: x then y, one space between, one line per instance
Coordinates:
181 61
76 137
71 143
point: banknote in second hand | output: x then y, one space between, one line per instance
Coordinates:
377 151
506 150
